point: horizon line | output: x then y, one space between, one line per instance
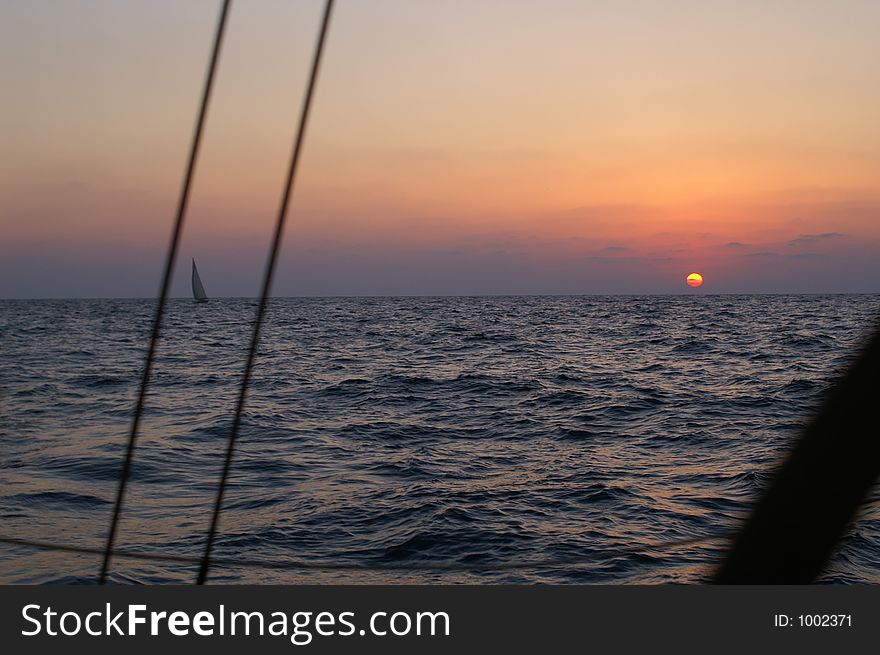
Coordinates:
472 295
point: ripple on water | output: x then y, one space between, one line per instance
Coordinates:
409 430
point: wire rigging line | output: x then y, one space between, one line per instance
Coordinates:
829 472
757 551
602 555
264 294
170 260
331 565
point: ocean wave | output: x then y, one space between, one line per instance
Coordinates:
413 430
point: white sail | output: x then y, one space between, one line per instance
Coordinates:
199 294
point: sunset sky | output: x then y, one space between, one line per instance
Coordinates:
456 147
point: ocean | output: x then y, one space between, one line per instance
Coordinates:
405 431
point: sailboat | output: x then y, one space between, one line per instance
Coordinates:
199 294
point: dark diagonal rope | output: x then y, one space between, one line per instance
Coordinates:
797 523
330 565
602 555
170 259
264 294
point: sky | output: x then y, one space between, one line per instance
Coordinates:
456 147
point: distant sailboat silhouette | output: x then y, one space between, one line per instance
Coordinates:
199 294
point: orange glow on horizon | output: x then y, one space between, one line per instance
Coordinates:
452 147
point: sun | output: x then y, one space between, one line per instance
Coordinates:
694 280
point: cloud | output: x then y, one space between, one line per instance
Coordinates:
445 252
615 249
810 238
807 255
762 254
630 260
735 245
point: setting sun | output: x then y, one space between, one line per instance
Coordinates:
695 280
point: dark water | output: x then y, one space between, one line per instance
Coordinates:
414 430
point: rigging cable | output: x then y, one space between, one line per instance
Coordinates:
838 449
331 565
723 535
171 257
799 520
606 554
264 294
